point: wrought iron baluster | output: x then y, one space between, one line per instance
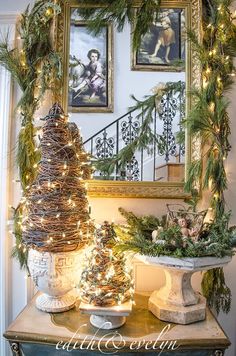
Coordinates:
117 145
142 155
182 115
167 144
154 144
104 146
129 131
91 147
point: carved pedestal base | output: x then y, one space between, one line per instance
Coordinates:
107 317
55 304
177 314
107 322
176 301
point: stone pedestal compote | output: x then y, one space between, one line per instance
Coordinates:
177 301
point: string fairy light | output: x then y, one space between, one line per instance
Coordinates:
57 202
105 280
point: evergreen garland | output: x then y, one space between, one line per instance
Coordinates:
34 67
210 120
118 12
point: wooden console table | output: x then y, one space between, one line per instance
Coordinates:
40 334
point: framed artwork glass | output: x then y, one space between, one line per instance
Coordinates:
163 47
88 79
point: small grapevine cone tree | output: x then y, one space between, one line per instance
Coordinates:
106 281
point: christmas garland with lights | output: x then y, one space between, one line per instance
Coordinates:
34 65
210 121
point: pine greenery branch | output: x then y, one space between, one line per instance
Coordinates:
216 291
9 59
18 250
143 225
33 66
136 236
26 154
119 12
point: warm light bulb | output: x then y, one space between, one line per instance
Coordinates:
212 106
204 83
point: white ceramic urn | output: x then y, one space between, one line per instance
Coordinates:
55 275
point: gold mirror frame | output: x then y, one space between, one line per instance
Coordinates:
124 189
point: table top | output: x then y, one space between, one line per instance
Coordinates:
33 325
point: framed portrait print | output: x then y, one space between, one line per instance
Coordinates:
89 80
163 47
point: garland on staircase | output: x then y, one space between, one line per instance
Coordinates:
34 65
145 138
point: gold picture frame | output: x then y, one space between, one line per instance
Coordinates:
91 95
164 47
149 190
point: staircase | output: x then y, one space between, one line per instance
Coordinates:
145 164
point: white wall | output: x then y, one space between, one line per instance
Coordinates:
107 208
13 6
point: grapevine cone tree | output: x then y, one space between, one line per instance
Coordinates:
106 281
56 211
